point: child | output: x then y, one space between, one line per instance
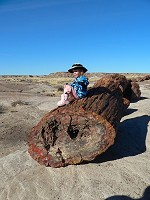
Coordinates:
76 90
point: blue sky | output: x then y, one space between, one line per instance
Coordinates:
39 37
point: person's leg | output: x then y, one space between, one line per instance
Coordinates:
63 101
68 95
74 93
67 89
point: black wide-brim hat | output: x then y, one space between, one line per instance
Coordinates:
77 66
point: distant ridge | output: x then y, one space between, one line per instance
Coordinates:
95 74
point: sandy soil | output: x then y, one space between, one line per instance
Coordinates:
122 172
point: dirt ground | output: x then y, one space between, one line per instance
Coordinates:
122 172
22 106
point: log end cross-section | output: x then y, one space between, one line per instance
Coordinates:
64 138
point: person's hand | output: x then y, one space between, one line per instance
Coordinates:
71 97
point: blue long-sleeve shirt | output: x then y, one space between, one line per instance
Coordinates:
80 86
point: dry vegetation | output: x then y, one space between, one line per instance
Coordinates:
19 102
58 79
2 108
39 79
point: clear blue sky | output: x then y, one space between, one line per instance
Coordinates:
38 37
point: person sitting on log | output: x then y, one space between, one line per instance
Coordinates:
76 90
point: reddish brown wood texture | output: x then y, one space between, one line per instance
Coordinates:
84 128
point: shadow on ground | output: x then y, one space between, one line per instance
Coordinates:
129 141
141 98
146 196
129 111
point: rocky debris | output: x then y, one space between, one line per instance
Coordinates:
85 128
132 92
141 78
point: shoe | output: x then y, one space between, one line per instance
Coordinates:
62 103
64 100
59 103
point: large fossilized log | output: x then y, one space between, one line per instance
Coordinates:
132 92
84 128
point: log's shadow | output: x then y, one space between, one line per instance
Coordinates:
129 111
140 99
143 98
146 196
129 141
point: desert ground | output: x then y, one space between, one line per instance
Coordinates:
121 173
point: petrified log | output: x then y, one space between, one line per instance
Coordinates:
82 129
66 137
140 79
132 92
